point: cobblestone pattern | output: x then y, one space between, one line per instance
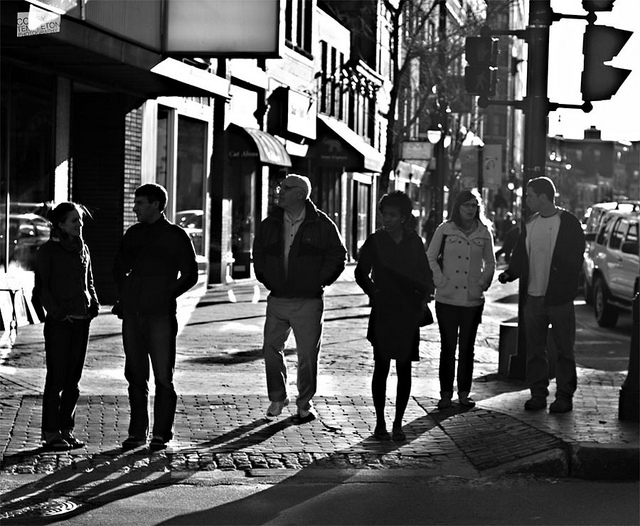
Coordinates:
230 433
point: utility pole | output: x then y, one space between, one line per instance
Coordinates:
600 81
440 153
536 110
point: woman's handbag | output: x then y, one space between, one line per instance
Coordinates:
117 309
426 318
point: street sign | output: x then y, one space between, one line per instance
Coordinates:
492 166
413 150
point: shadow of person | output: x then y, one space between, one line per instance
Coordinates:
110 476
284 500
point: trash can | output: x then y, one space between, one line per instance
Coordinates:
508 344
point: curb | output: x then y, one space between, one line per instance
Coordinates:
553 463
593 461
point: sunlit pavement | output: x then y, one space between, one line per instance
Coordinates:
221 426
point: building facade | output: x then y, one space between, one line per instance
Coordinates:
591 170
89 112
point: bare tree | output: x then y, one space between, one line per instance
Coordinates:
426 49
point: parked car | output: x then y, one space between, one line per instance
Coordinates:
26 233
591 225
191 221
612 263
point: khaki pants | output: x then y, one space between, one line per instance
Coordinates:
305 316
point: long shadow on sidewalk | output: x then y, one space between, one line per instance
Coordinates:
82 486
112 475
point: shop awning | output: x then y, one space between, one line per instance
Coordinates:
266 147
370 159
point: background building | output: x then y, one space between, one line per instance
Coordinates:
590 170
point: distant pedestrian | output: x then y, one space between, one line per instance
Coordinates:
64 286
297 252
429 226
463 263
156 263
508 243
547 260
393 271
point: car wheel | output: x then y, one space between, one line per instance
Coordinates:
606 314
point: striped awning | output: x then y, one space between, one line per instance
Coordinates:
267 148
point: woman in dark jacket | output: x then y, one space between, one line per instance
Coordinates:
393 271
64 285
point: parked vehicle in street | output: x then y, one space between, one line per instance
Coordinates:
191 221
26 233
612 263
591 224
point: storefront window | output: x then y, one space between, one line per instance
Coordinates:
27 125
162 146
181 169
191 177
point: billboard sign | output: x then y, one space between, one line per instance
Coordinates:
191 28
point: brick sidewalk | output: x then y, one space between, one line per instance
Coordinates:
220 423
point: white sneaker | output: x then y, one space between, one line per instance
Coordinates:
275 408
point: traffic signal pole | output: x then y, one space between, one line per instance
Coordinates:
599 82
536 110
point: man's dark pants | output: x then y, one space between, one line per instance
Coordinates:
144 338
562 319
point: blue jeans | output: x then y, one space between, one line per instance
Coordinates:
65 346
537 317
458 328
305 317
144 338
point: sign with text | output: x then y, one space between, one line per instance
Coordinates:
413 150
470 166
301 114
37 22
492 166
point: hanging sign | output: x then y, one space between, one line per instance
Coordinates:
37 22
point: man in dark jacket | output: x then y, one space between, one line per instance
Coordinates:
156 263
297 252
547 259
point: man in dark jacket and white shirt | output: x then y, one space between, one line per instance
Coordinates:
156 263
547 259
297 252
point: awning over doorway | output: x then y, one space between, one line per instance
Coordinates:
368 158
265 146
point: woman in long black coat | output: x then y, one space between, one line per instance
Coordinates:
393 271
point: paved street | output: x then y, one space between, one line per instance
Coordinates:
221 430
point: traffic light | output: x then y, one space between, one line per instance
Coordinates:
480 76
597 5
601 44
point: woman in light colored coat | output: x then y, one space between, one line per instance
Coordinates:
461 257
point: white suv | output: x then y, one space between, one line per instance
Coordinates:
591 225
612 264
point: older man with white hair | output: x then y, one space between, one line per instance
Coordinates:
297 252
